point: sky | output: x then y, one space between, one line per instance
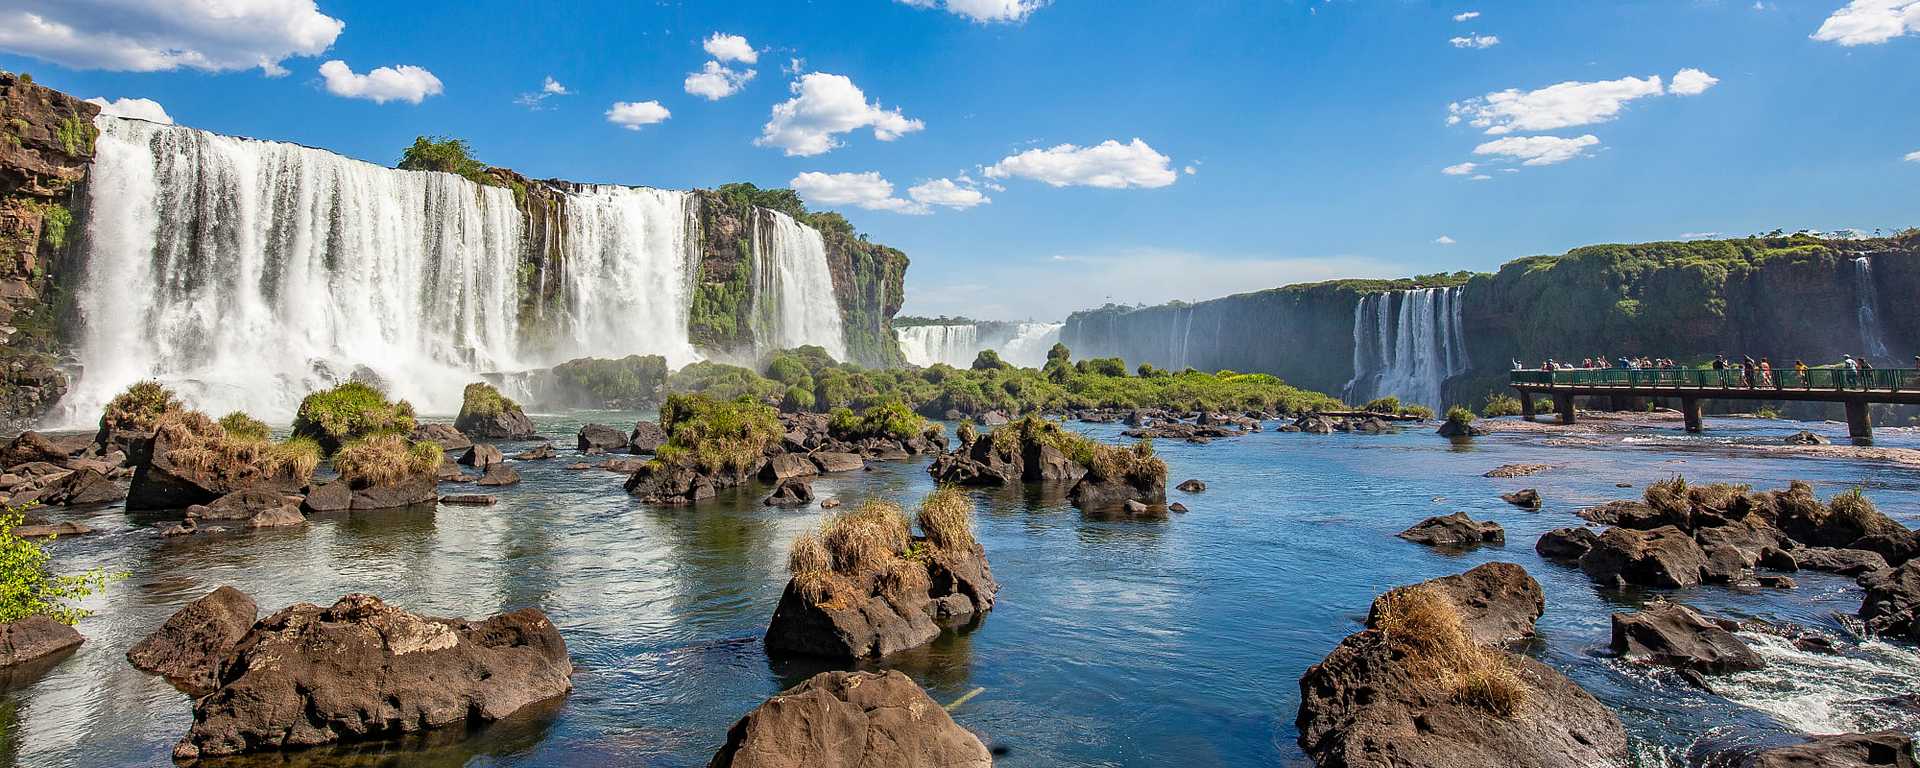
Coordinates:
1034 157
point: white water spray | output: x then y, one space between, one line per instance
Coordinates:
1408 344
1867 306
925 345
794 288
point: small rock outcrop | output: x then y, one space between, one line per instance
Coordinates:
646 437
1677 636
1193 485
1516 470
1428 683
249 508
188 648
1803 437
361 669
34 637
485 414
600 438
448 438
1034 450
481 456
1892 604
851 719
541 452
1891 749
1846 562
1662 557
1525 498
1455 531
791 492
498 475
1565 543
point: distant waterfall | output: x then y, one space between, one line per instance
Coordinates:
1408 344
1867 306
1030 343
793 288
925 345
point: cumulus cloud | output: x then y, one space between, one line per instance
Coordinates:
1556 106
1475 41
380 85
537 99
1869 22
1443 240
984 11
862 190
716 81
143 109
730 48
1110 165
633 115
1466 16
948 193
1691 82
1462 169
1914 156
1538 150
824 106
158 35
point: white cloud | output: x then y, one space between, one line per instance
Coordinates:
1190 170
715 82
1109 165
536 100
1538 150
1444 240
862 190
1461 169
1913 157
1480 177
1563 105
730 48
553 87
380 85
1475 41
1466 16
948 193
1698 235
984 11
1867 22
1691 82
632 115
143 109
158 35
824 105
794 67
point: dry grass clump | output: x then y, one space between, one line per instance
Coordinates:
868 550
1676 497
1425 627
386 459
198 443
1854 509
140 406
946 517
239 425
866 538
812 568
1134 464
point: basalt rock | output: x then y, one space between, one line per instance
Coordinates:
1367 706
646 438
787 465
505 424
866 621
1525 498
1516 470
188 648
165 482
791 492
34 637
339 496
855 720
834 461
540 452
31 447
481 456
362 670
666 484
44 530
1677 636
445 435
1565 543
1892 604
470 499
1106 494
499 475
1633 514
1803 437
1891 749
1192 486
1455 531
1662 557
253 508
600 438
1733 550
80 488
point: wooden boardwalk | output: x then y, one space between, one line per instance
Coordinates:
1692 387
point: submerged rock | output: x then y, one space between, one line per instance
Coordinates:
34 637
852 719
362 669
43 530
1677 636
1194 485
1892 749
470 499
188 648
1516 470
253 507
1455 531
539 452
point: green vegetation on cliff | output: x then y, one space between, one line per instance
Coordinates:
716 435
629 382
446 155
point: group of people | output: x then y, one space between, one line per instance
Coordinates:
1752 373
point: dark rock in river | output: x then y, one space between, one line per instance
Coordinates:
30 447
1662 557
1452 428
851 719
81 487
1192 486
1628 514
1565 543
791 492
1804 437
506 424
1732 550
878 606
600 438
1516 470
787 465
646 438
188 648
540 452
1677 636
43 530
34 637
338 496
257 508
445 435
362 669
166 482
656 482
498 475
1848 750
1525 498
1455 531
834 461
470 499
1892 604
481 456
1373 704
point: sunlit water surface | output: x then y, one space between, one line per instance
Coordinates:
1114 642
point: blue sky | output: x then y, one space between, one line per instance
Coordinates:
1277 141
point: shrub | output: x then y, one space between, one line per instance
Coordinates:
353 410
1500 404
718 435
967 432
989 360
629 382
891 418
1420 623
1459 415
447 155
1418 411
1854 510
1388 404
797 399
197 442
139 407
28 586
386 459
240 426
946 517
482 400
1059 352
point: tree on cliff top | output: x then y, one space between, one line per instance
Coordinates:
444 154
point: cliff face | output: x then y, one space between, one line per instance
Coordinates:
46 142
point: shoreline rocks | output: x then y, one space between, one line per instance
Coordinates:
34 638
1455 531
851 719
1674 635
188 648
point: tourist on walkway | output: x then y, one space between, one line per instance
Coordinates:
1852 369
1866 373
1800 370
1766 374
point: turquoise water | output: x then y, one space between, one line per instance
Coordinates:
1114 643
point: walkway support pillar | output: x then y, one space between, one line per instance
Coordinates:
1526 405
1563 404
1859 420
1690 408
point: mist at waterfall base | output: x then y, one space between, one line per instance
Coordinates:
1021 344
1114 642
245 274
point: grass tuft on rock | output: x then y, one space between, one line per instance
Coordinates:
140 407
717 435
946 517
197 442
241 426
483 400
351 411
1426 629
386 459
1854 510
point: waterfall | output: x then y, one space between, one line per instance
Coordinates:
1867 310
1407 343
793 289
925 345
1030 343
246 273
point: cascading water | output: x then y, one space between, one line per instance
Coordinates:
925 345
793 288
1407 344
1867 305
1030 343
628 261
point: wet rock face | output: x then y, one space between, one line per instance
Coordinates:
600 438
1367 706
791 492
1455 531
646 438
507 424
1525 498
851 719
250 508
1892 604
33 638
1565 543
1662 557
481 456
1677 636
869 622
445 435
362 669
188 648
669 485
1850 750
